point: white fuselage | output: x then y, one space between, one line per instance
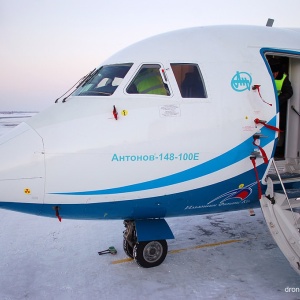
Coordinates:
164 155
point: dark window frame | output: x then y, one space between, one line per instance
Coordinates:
189 80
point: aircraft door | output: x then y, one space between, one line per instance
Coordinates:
292 144
285 69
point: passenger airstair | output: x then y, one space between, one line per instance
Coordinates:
281 207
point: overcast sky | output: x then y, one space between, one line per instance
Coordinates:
47 45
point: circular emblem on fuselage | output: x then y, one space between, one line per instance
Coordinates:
241 81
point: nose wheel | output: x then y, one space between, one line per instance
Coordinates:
150 254
147 254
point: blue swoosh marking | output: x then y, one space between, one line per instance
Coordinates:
232 156
172 205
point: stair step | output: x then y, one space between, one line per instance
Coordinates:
292 193
285 177
294 199
292 217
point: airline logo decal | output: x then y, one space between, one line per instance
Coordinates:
236 195
233 197
241 81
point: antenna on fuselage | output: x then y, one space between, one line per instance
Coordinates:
270 22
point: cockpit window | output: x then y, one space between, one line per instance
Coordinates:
104 81
189 80
149 81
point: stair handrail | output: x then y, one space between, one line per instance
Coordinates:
285 193
295 110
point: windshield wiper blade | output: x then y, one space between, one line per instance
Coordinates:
95 93
86 78
79 82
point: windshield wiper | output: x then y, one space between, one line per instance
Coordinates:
86 78
78 83
95 93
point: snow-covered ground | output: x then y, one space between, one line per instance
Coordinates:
41 258
221 256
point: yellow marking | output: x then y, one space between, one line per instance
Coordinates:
27 191
120 261
241 185
124 112
205 246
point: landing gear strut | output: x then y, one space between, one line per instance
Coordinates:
147 254
130 239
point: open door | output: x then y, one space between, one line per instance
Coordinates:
281 202
287 65
292 141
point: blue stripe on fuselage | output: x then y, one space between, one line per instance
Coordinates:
233 156
193 202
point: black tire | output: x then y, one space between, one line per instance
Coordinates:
127 249
150 254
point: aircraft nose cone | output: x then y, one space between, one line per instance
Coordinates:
22 169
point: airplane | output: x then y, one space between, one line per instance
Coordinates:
183 123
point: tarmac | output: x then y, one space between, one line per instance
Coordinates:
221 256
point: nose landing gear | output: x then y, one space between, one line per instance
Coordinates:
147 254
150 254
130 238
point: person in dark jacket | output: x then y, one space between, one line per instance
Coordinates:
285 92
